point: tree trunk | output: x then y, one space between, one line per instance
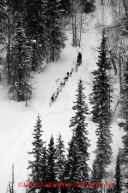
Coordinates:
8 49
33 57
80 27
120 73
125 3
72 23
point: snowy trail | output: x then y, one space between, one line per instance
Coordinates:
17 121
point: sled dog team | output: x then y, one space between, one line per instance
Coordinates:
69 74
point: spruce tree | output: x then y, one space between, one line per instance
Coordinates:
44 169
103 152
2 29
60 158
80 131
6 31
110 190
124 93
2 22
44 164
56 35
51 166
69 160
76 169
124 110
89 6
118 177
71 167
20 67
65 5
34 22
37 152
16 5
95 172
79 169
95 176
125 142
101 98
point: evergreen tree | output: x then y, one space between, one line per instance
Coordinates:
34 22
60 156
71 167
2 21
124 93
80 131
69 160
44 169
95 173
20 67
95 178
65 5
6 31
51 166
76 169
118 177
55 35
102 160
16 5
110 190
44 164
103 152
76 175
124 110
37 152
125 142
2 30
89 6
101 97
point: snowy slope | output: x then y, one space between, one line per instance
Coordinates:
17 121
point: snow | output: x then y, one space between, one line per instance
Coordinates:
34 41
121 120
17 121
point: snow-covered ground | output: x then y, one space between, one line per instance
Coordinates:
17 121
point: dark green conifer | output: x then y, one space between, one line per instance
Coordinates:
20 67
36 165
101 98
118 177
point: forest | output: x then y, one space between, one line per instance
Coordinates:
33 38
